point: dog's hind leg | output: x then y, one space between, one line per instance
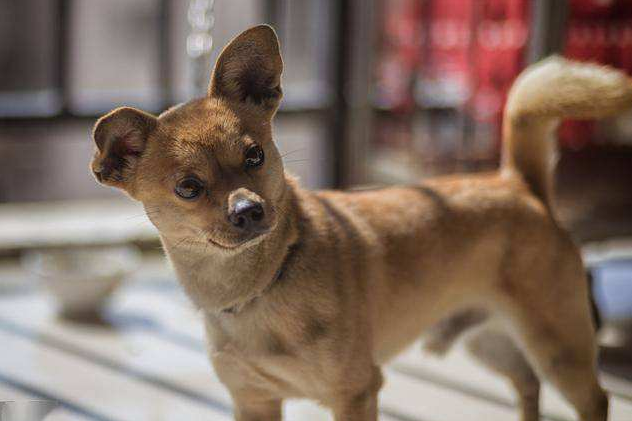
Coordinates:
253 410
498 352
565 354
556 333
440 337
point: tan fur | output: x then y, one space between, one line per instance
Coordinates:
544 94
340 282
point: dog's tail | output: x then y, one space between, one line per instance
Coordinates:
540 98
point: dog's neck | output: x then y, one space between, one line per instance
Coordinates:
218 281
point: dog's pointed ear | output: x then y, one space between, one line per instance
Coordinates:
120 139
248 71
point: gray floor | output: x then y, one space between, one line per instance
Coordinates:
146 360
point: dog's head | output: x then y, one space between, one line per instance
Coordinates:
206 171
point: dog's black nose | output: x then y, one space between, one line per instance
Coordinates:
246 214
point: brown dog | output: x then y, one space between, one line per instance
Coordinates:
306 294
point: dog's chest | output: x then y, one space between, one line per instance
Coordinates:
266 358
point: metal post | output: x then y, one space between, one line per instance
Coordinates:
200 42
165 55
548 27
352 111
63 52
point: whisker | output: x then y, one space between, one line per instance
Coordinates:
134 216
280 157
291 152
296 160
202 236
142 214
179 243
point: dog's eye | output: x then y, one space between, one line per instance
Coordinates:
254 156
189 188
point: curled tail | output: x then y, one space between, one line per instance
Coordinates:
543 95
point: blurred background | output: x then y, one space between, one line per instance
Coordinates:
376 92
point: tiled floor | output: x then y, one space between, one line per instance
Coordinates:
149 363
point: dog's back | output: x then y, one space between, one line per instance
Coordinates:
452 237
472 248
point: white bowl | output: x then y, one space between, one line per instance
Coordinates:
81 279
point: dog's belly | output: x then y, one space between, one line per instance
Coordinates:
429 250
445 282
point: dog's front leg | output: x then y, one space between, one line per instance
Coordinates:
253 408
250 389
360 406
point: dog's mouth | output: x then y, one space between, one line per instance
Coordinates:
238 243
219 243
233 241
220 237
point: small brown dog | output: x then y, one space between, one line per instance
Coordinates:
306 294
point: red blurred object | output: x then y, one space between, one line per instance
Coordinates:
501 30
501 37
450 39
591 9
598 31
401 54
465 54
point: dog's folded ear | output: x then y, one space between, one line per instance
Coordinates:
248 71
120 139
